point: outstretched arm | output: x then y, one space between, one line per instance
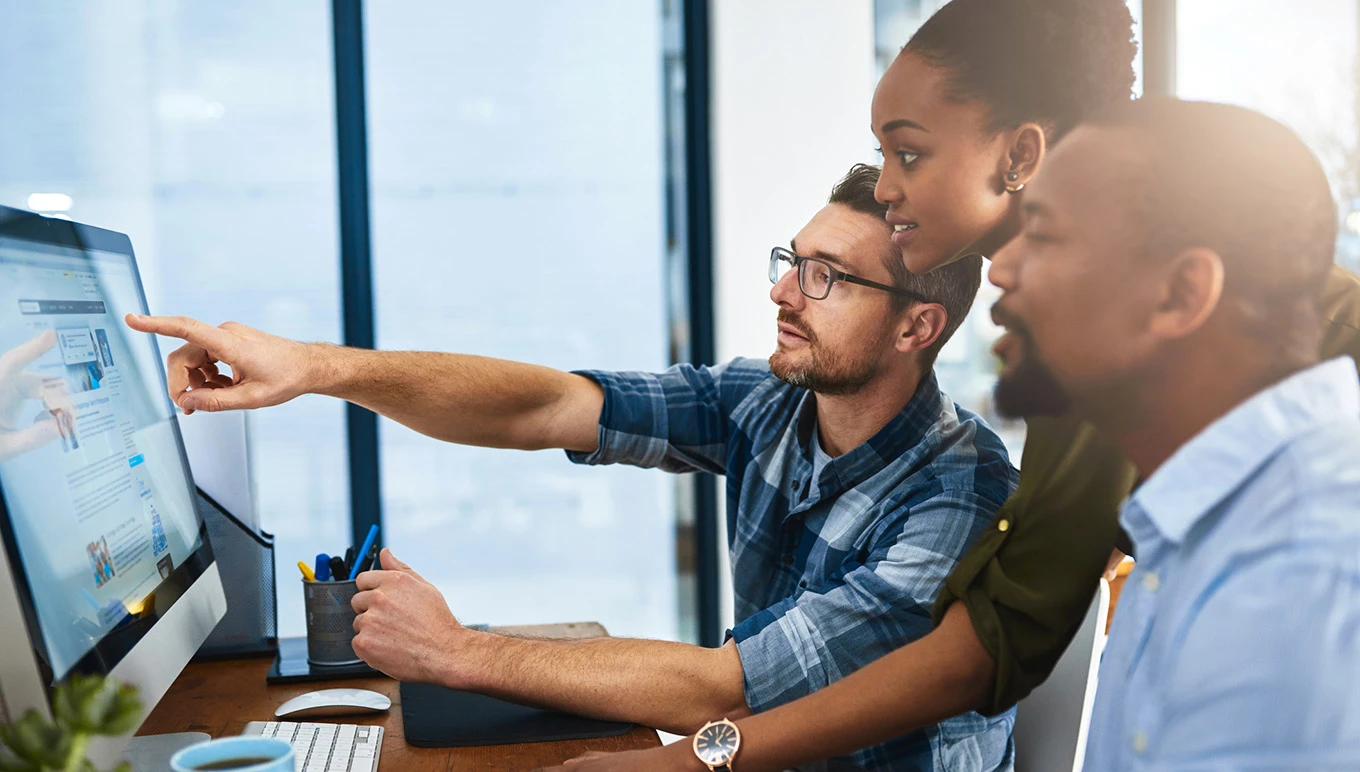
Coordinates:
458 398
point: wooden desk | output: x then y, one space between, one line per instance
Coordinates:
221 697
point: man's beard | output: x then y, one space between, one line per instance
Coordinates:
1029 389
829 372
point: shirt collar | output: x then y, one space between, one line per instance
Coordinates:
895 440
1216 461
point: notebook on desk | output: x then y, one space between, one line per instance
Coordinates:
435 717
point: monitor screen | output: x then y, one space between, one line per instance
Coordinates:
98 503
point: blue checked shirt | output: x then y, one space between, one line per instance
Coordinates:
833 573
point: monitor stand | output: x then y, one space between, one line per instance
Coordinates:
153 751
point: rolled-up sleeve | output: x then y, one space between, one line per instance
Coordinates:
1028 581
806 642
675 420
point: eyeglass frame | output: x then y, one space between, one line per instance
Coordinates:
796 262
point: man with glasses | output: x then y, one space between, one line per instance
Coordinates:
853 486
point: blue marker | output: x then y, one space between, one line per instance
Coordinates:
368 545
323 567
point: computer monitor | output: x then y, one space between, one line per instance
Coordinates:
106 566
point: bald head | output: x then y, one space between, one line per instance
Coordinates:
1161 238
1242 185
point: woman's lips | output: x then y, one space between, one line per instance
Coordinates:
904 234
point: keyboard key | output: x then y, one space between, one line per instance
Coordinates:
321 747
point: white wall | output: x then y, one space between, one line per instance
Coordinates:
792 82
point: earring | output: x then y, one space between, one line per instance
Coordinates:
1012 177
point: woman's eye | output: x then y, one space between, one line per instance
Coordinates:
904 157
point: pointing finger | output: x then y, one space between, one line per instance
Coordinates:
215 340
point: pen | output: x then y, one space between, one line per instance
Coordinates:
349 564
367 563
337 570
323 567
306 571
368 545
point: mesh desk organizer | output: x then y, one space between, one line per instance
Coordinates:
245 559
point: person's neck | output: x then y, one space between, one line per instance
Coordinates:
846 421
997 237
1178 401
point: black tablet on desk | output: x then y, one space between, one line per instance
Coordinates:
435 717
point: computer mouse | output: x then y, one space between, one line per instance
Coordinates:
333 702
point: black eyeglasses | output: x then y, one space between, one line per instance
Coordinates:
816 277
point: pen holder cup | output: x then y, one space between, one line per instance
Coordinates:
330 622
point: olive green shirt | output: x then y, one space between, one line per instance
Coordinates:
1029 580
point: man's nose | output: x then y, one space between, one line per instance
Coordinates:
785 292
1005 262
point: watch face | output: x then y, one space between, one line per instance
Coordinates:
716 744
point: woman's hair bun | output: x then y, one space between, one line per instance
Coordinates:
1054 62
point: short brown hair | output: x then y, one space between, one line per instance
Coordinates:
953 286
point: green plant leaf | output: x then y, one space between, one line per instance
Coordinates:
81 707
96 705
35 739
12 763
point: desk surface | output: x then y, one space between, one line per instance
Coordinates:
221 697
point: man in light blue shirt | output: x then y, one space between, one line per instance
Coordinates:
1166 287
1238 633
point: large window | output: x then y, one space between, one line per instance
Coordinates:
1296 62
206 132
517 168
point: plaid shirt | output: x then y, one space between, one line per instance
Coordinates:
830 574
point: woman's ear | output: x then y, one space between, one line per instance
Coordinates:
1023 157
922 326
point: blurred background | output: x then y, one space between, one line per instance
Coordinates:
577 183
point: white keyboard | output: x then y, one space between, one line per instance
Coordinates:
325 747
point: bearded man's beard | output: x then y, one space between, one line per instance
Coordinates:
1029 389
825 371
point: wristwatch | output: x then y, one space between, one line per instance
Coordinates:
716 745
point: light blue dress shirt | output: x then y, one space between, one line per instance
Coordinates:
1236 645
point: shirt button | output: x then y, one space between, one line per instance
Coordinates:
788 560
1151 582
1003 526
1140 743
